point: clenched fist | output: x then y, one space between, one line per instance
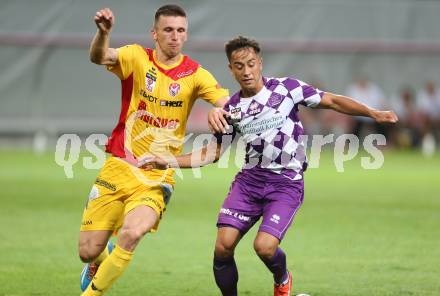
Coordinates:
104 20
385 117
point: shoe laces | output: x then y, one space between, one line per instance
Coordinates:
93 268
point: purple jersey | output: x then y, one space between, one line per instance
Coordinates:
270 127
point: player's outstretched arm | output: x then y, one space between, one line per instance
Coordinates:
349 106
208 154
100 53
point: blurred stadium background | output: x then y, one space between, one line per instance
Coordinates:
359 233
49 87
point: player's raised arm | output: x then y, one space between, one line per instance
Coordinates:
349 106
100 53
208 154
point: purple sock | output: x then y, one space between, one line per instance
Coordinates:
226 275
277 265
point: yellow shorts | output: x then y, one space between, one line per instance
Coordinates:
119 188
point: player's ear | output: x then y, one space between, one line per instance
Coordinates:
153 34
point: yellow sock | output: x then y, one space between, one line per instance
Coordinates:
110 269
102 256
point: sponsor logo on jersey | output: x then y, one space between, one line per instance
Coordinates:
154 121
152 71
174 89
87 222
105 184
149 82
166 103
275 219
150 79
183 74
234 214
149 97
235 114
150 200
254 108
275 99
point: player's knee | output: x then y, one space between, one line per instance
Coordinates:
86 254
224 249
132 235
264 250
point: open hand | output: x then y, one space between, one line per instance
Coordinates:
104 20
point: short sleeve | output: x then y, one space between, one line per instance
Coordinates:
303 93
124 67
208 88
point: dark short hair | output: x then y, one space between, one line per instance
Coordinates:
240 42
169 10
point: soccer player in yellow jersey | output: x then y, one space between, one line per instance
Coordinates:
159 87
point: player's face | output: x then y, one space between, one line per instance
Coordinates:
246 66
170 33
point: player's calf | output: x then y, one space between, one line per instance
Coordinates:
226 275
266 246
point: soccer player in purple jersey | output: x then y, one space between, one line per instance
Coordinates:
270 185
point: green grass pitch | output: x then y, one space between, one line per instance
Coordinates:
361 232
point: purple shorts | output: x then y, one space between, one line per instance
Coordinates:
259 193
